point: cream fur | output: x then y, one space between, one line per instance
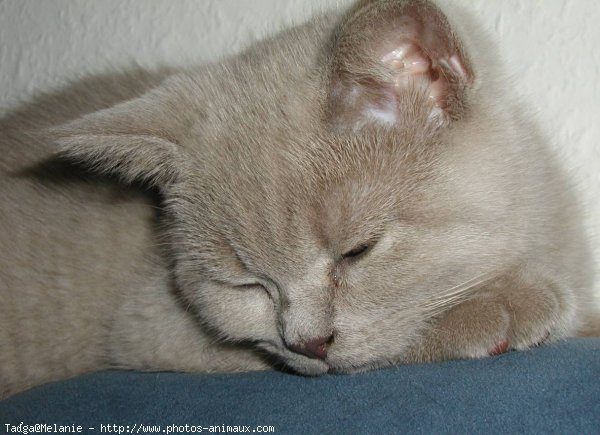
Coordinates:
202 220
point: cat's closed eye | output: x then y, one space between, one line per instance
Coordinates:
358 251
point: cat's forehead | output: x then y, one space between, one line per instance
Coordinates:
368 157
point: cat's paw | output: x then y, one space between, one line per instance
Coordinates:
506 317
474 329
535 315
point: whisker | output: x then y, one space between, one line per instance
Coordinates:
456 294
465 286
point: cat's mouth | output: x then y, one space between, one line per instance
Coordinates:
286 359
310 366
298 362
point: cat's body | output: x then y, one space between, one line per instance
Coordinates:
342 196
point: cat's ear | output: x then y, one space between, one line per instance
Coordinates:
137 140
390 56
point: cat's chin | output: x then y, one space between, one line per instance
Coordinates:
298 363
317 370
307 366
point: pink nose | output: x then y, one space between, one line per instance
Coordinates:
314 348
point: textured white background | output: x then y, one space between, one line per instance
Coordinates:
550 47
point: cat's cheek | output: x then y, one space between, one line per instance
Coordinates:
237 314
376 340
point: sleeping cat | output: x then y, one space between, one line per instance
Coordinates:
352 193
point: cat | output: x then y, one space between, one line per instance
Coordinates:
352 193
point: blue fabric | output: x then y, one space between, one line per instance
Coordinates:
552 389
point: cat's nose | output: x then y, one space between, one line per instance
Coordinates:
314 348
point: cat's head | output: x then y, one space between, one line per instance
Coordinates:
328 192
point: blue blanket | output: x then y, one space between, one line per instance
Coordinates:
551 389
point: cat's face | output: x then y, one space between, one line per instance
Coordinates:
324 214
354 258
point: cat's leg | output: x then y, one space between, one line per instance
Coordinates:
519 311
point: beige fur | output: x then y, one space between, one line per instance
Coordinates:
313 195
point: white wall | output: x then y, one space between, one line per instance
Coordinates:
550 47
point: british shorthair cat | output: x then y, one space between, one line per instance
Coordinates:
352 193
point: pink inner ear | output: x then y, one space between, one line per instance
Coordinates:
413 63
418 51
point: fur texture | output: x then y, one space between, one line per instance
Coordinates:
349 194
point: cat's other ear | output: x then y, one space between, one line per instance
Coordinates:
390 56
137 140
